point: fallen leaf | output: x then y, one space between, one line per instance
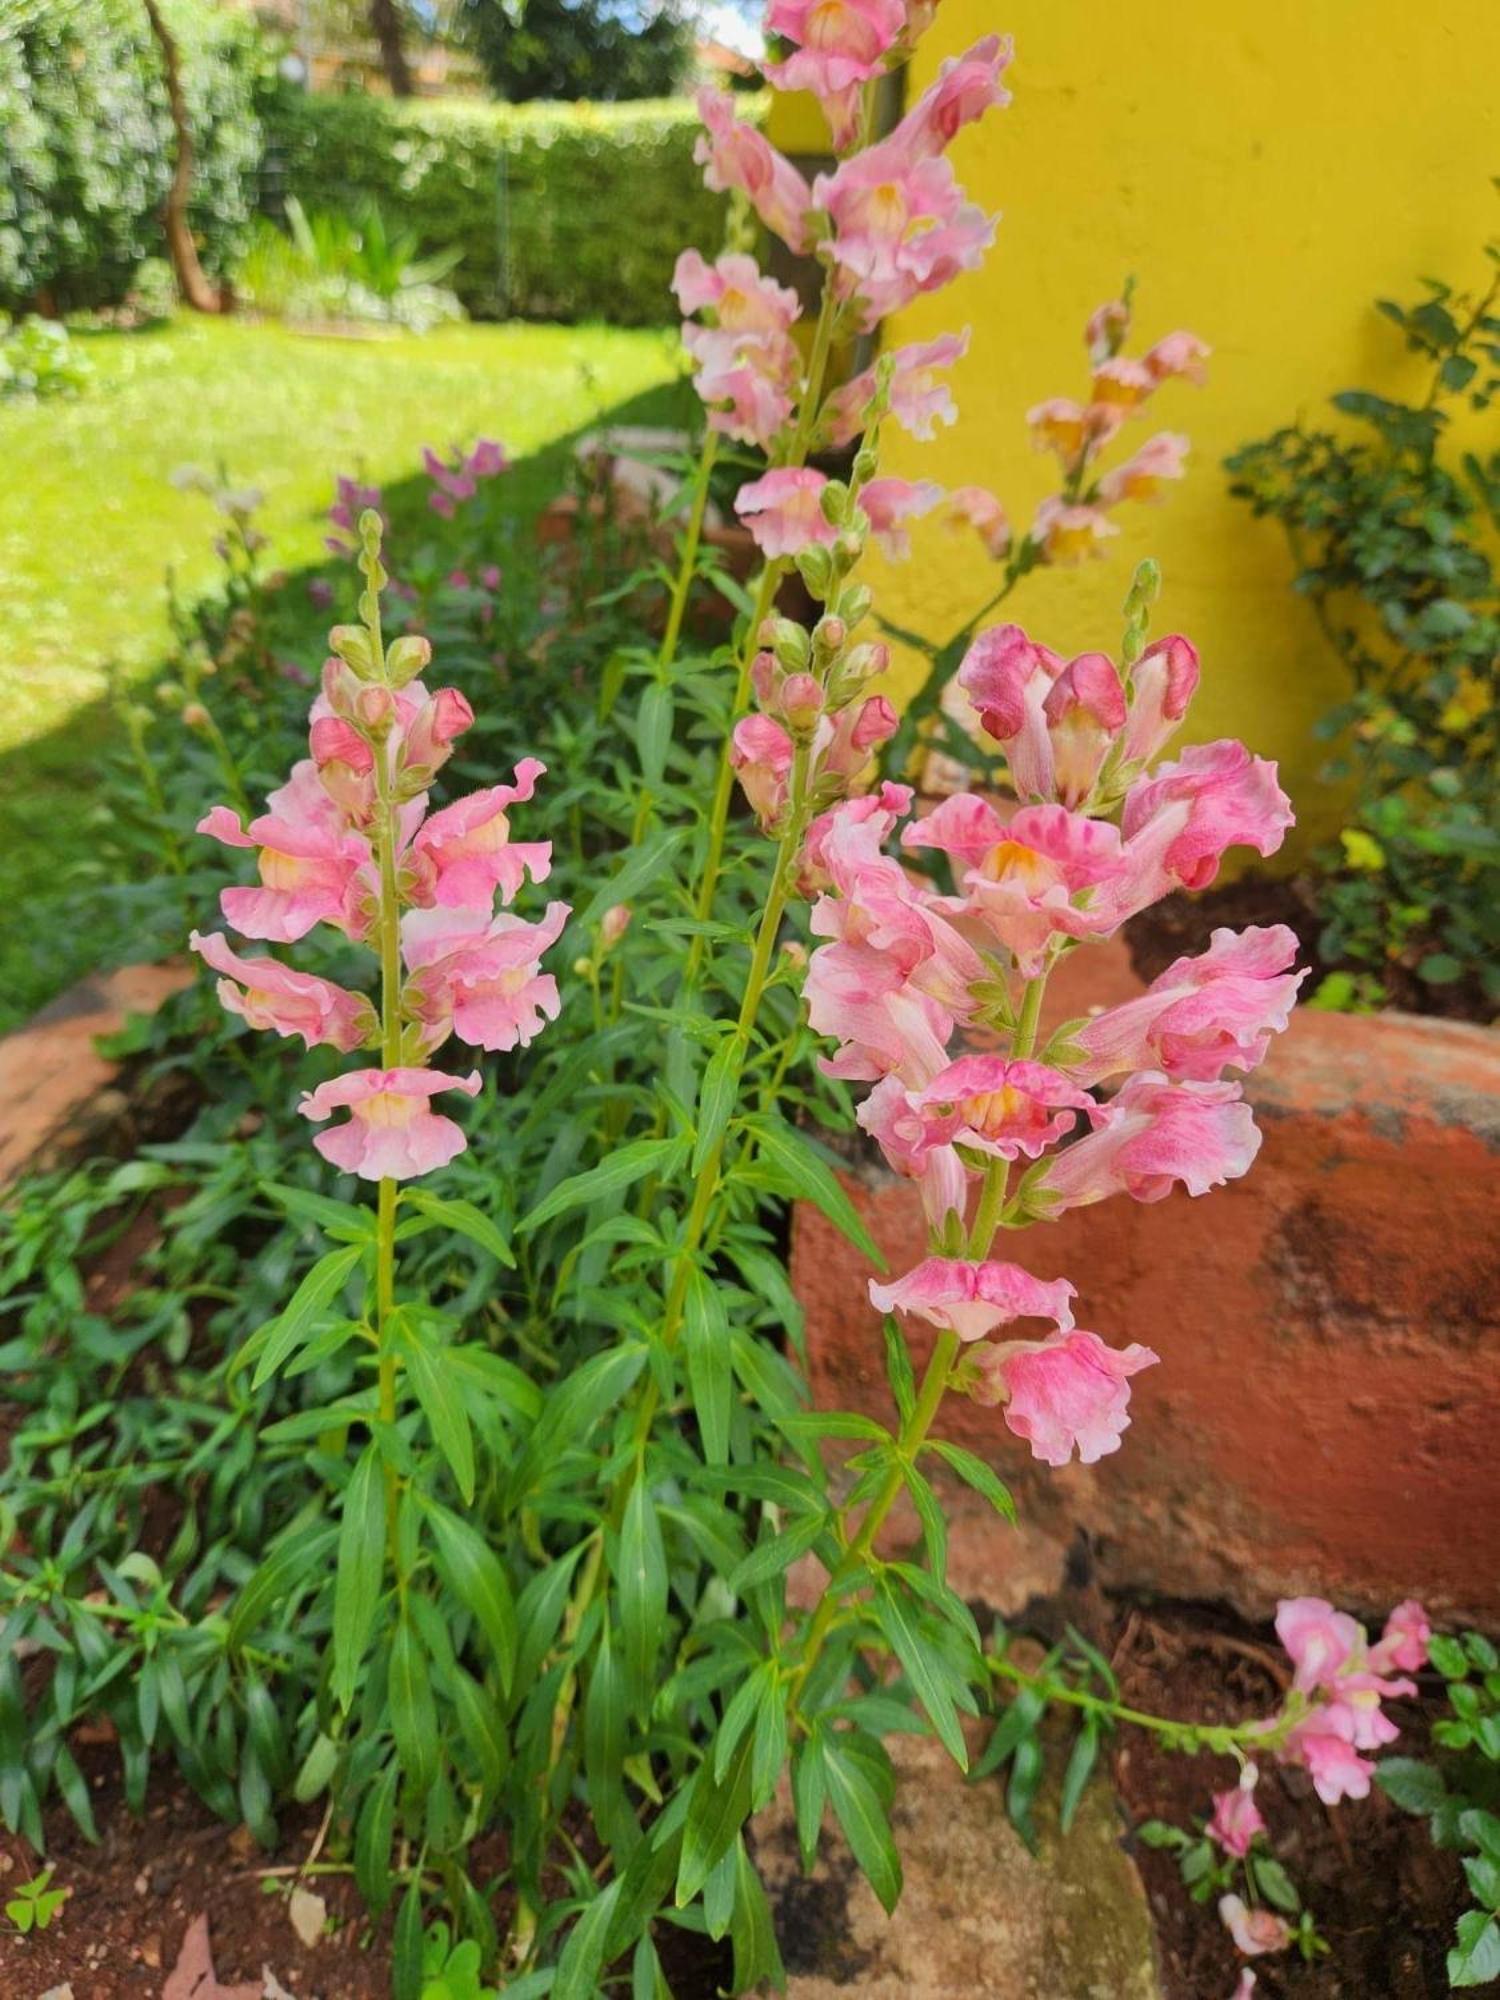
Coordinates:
193 1976
308 1913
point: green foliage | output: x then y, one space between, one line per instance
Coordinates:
330 267
1458 1793
37 359
578 48
1391 529
530 198
34 1905
88 143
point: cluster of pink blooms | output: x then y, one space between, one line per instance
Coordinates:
349 841
905 967
457 477
1339 1681
1075 523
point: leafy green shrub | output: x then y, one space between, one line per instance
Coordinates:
86 143
1389 532
342 267
534 197
38 359
578 48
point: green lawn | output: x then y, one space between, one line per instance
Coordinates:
89 524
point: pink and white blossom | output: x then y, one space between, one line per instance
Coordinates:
972 1299
308 860
888 505
966 87
920 398
977 508
1178 354
734 156
996 1105
1255 1931
1404 1642
1163 682
1144 476
901 227
392 1132
1236 1821
268 994
838 45
761 753
1069 532
783 511
1065 1394
464 852
1153 1136
1179 822
479 975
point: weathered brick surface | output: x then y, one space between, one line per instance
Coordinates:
1329 1333
51 1075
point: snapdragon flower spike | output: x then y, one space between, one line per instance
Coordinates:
1215 1011
971 1299
392 1132
1066 1394
747 363
267 994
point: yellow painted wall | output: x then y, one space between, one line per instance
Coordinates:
1266 168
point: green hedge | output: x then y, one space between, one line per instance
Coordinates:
86 142
562 211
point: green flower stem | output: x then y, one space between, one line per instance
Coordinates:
687 568
1223 1739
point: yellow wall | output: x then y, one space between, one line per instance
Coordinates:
1265 168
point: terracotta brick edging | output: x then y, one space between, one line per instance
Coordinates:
54 1084
1329 1333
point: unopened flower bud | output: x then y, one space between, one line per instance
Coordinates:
829 634
834 501
854 604
866 465
352 644
801 703
582 968
866 662
373 706
613 925
788 641
195 715
794 951
407 657
849 547
815 567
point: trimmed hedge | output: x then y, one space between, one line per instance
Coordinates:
562 211
86 143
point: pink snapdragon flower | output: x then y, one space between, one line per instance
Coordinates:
1237 1821
479 975
1178 354
901 227
746 359
1058 722
888 505
1072 430
965 88
783 511
1163 682
867 821
1006 1109
1105 331
941 1177
1203 1015
977 508
839 45
268 994
734 155
308 860
392 1132
1346 1679
1404 1642
743 300
1144 476
1179 822
1064 1394
463 853
1069 533
1255 1932
972 1299
1154 1135
1121 381
885 1025
761 753
920 398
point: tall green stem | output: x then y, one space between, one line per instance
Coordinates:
687 568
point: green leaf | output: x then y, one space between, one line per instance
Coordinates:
1475 1959
442 1405
406 1947
464 1219
717 1809
710 1376
1414 1786
924 1667
1275 1884
582 1959
482 1730
898 1368
361 1571
286 1333
716 1098
318 1766
974 1472
752 1932
1081 1762
372 1839
343 1220
858 1809
298 1560
800 1171
653 730
642 1584
775 1553
474 1573
641 865
413 1714
622 1169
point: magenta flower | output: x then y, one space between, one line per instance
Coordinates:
1010 1110
1179 821
1254 1931
1154 1135
889 504
1065 1394
309 863
839 44
783 511
391 1133
734 155
1236 1820
464 852
268 994
971 1299
1201 1016
479 975
920 398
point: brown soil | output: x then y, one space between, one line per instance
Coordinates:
1183 922
1383 1896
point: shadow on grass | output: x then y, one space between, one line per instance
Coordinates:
53 789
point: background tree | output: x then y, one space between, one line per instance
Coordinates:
605 49
192 281
385 25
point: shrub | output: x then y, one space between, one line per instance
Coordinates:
578 48
1389 527
337 267
533 197
86 150
38 359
